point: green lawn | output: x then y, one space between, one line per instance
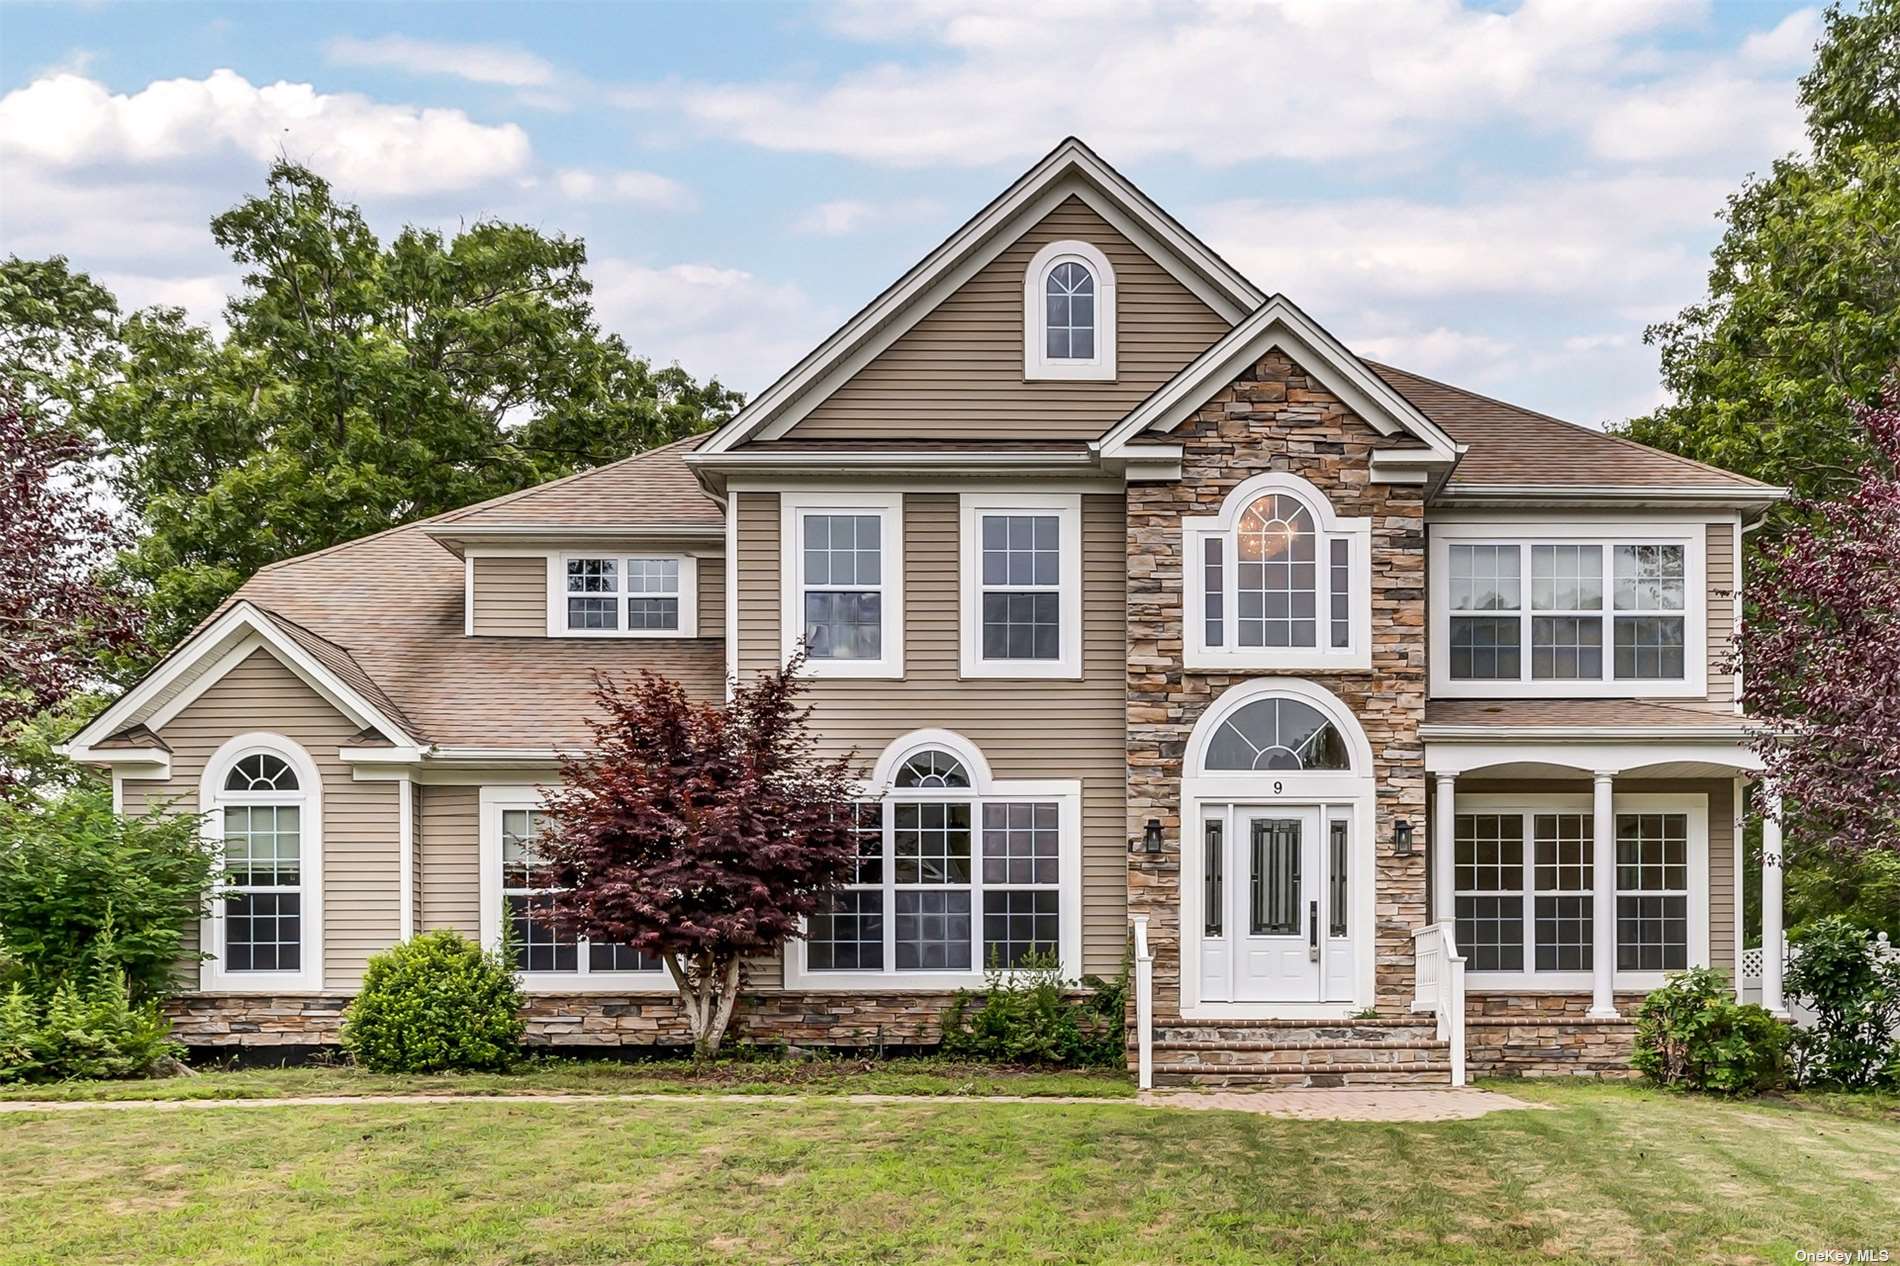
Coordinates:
1611 1174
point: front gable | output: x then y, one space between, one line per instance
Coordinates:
957 373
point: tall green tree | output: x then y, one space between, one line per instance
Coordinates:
1802 318
359 385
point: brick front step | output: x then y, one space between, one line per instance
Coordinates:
1282 1034
1424 1074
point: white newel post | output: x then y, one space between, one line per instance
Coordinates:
1771 933
1444 827
1603 901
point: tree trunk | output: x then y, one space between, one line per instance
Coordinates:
708 989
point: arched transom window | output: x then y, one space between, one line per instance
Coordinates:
1277 580
1069 313
933 769
1280 734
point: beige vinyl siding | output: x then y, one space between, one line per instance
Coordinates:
1721 611
448 825
360 819
1724 898
958 373
712 596
511 597
1026 729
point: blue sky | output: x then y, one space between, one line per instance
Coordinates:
1501 195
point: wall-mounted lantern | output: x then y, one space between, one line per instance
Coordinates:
1402 838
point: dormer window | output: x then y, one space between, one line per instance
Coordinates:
1277 580
624 595
1069 313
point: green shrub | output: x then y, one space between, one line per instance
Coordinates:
95 1032
435 1004
1691 1034
1855 996
1030 1017
82 888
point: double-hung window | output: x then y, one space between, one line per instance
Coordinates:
1573 615
263 804
1277 580
1022 585
954 874
517 898
624 595
1523 886
842 565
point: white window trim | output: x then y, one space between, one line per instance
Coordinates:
1694 805
1036 362
1067 796
1328 526
1068 509
889 507
494 799
558 595
212 799
1609 533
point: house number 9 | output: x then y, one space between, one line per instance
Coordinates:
1278 787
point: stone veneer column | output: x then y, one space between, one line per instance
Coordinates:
1274 417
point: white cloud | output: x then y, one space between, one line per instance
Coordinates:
713 320
1710 112
478 63
69 122
846 216
1789 45
640 188
1222 82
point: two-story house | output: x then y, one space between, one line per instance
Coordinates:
1154 615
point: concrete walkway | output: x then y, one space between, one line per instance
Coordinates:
1308 1105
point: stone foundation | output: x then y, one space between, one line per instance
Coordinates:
1548 1035
864 1020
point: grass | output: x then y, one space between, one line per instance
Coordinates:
816 1076
1608 1173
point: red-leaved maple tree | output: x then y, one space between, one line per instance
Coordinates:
54 538
699 832
1820 657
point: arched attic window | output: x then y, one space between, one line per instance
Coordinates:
1069 313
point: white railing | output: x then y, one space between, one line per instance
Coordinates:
1144 1004
1748 988
1439 987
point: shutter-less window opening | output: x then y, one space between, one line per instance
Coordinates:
1213 889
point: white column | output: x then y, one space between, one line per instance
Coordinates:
1444 810
1771 900
1603 918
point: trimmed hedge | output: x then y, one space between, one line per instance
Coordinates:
436 1003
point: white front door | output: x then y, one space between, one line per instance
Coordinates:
1274 905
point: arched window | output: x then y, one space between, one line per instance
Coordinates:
1069 313
1283 734
261 796
1277 580
956 871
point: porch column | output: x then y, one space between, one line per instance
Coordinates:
1444 826
1603 900
1771 901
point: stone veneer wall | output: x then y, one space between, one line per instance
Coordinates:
589 1019
1275 417
1548 1035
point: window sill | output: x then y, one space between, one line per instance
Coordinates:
253 984
623 633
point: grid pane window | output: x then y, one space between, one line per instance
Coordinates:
933 929
1212 588
1018 922
1069 318
263 872
1563 874
848 933
1340 591
525 886
1566 648
1488 883
843 579
1276 574
1021 568
1485 578
1650 582
601 590
1652 891
931 843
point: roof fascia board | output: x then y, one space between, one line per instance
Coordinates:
1609 494
1278 324
1729 734
244 628
1213 277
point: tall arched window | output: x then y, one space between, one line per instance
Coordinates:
1277 580
957 871
261 796
1069 313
